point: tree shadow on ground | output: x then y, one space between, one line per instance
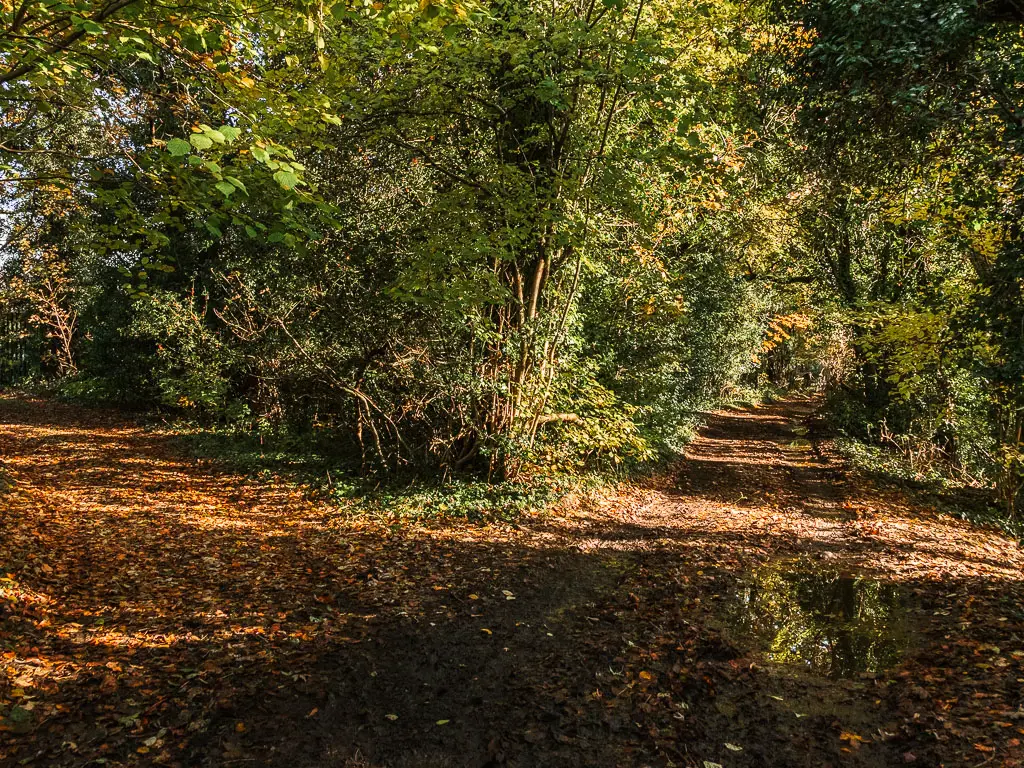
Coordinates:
163 612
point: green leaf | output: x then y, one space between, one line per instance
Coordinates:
226 188
216 135
19 720
286 179
178 147
200 141
259 154
230 132
238 184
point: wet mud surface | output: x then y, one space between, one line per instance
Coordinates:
821 620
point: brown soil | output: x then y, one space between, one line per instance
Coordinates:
155 610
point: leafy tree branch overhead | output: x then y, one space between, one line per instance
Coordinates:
503 237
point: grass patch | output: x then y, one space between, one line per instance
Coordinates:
890 466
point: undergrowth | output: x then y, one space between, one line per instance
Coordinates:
937 486
312 462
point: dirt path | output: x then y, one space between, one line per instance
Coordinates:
766 610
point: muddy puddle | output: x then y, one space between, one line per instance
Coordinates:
819 619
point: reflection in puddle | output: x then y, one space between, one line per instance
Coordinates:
825 621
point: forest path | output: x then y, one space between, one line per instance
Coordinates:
766 609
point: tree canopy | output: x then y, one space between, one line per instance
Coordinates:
521 236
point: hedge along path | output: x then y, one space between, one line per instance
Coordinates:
157 610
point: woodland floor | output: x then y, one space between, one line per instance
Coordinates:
764 608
